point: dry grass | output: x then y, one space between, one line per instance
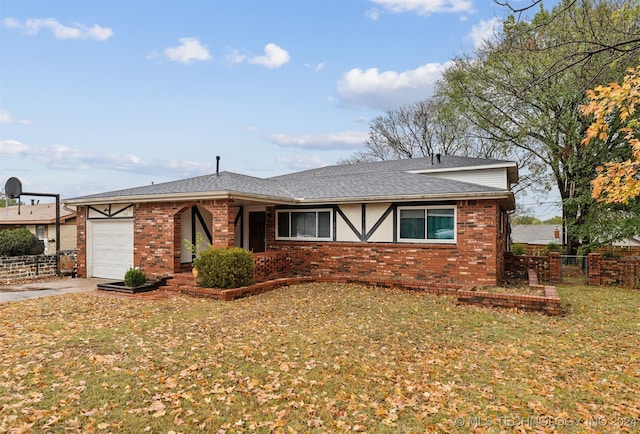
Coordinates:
319 358
513 290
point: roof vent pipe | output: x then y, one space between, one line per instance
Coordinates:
217 164
438 158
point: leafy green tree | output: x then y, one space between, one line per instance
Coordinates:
436 126
608 223
556 220
5 202
507 93
587 41
525 220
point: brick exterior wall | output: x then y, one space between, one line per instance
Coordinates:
271 265
156 228
157 240
476 258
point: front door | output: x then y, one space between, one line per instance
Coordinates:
257 233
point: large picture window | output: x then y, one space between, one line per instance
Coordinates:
431 224
304 225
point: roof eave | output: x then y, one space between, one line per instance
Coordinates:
37 221
176 197
506 196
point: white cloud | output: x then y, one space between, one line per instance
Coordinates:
11 148
302 162
77 31
315 68
11 23
234 57
341 140
373 14
426 7
7 118
60 157
483 31
274 57
189 50
385 90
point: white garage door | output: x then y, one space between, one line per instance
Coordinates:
111 248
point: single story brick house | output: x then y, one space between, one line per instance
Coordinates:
438 219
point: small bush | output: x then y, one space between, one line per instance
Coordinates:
230 267
17 242
517 249
552 247
134 277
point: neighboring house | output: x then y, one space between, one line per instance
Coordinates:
536 238
437 220
40 220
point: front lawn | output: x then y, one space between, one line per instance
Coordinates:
319 358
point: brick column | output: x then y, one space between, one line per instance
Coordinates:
593 263
554 267
81 247
270 223
222 224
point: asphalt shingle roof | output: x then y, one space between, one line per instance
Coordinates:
44 213
224 181
534 234
360 180
371 185
405 165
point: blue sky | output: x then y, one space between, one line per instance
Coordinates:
103 95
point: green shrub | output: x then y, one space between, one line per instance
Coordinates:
227 267
134 277
610 254
17 242
517 249
552 247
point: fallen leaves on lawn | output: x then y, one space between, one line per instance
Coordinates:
318 358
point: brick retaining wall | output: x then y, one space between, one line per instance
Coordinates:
623 271
615 272
516 267
33 266
27 267
549 304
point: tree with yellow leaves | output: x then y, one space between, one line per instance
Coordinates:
616 110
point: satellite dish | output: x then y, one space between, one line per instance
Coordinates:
13 188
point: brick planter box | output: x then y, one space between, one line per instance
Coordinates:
549 304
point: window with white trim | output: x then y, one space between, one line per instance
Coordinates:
40 232
433 224
309 224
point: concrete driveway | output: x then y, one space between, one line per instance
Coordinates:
43 288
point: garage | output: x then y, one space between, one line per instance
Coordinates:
110 252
